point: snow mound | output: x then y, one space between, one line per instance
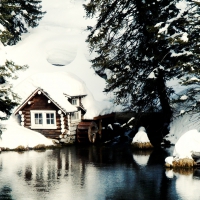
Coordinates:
169 160
141 136
15 135
181 125
187 144
59 57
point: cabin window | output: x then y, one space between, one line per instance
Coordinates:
38 118
45 119
75 116
74 101
50 118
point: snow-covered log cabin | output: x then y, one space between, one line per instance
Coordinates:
52 118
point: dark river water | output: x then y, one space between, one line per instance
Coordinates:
94 173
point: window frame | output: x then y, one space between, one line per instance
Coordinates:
78 114
44 124
75 99
38 119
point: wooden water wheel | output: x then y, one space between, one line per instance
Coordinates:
87 132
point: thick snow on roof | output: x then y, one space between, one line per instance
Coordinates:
57 44
56 84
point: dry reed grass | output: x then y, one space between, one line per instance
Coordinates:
5 149
21 148
183 163
142 145
39 147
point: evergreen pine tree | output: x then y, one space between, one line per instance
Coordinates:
142 44
185 49
8 99
16 16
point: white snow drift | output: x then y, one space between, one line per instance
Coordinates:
187 144
141 136
15 135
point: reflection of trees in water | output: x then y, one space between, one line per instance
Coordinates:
166 187
41 170
1 165
100 155
57 164
91 172
196 173
28 173
184 171
5 193
150 178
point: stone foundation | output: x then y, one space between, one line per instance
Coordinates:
70 139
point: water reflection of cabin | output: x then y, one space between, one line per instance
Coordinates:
53 119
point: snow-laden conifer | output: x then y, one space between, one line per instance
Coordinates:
16 16
141 45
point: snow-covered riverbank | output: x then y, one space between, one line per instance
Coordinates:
58 58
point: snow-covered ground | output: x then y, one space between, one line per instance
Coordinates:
184 134
187 145
181 125
16 135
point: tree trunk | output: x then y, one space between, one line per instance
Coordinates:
164 99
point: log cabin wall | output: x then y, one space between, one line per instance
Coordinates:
40 102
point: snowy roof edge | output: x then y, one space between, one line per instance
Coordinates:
33 93
74 96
